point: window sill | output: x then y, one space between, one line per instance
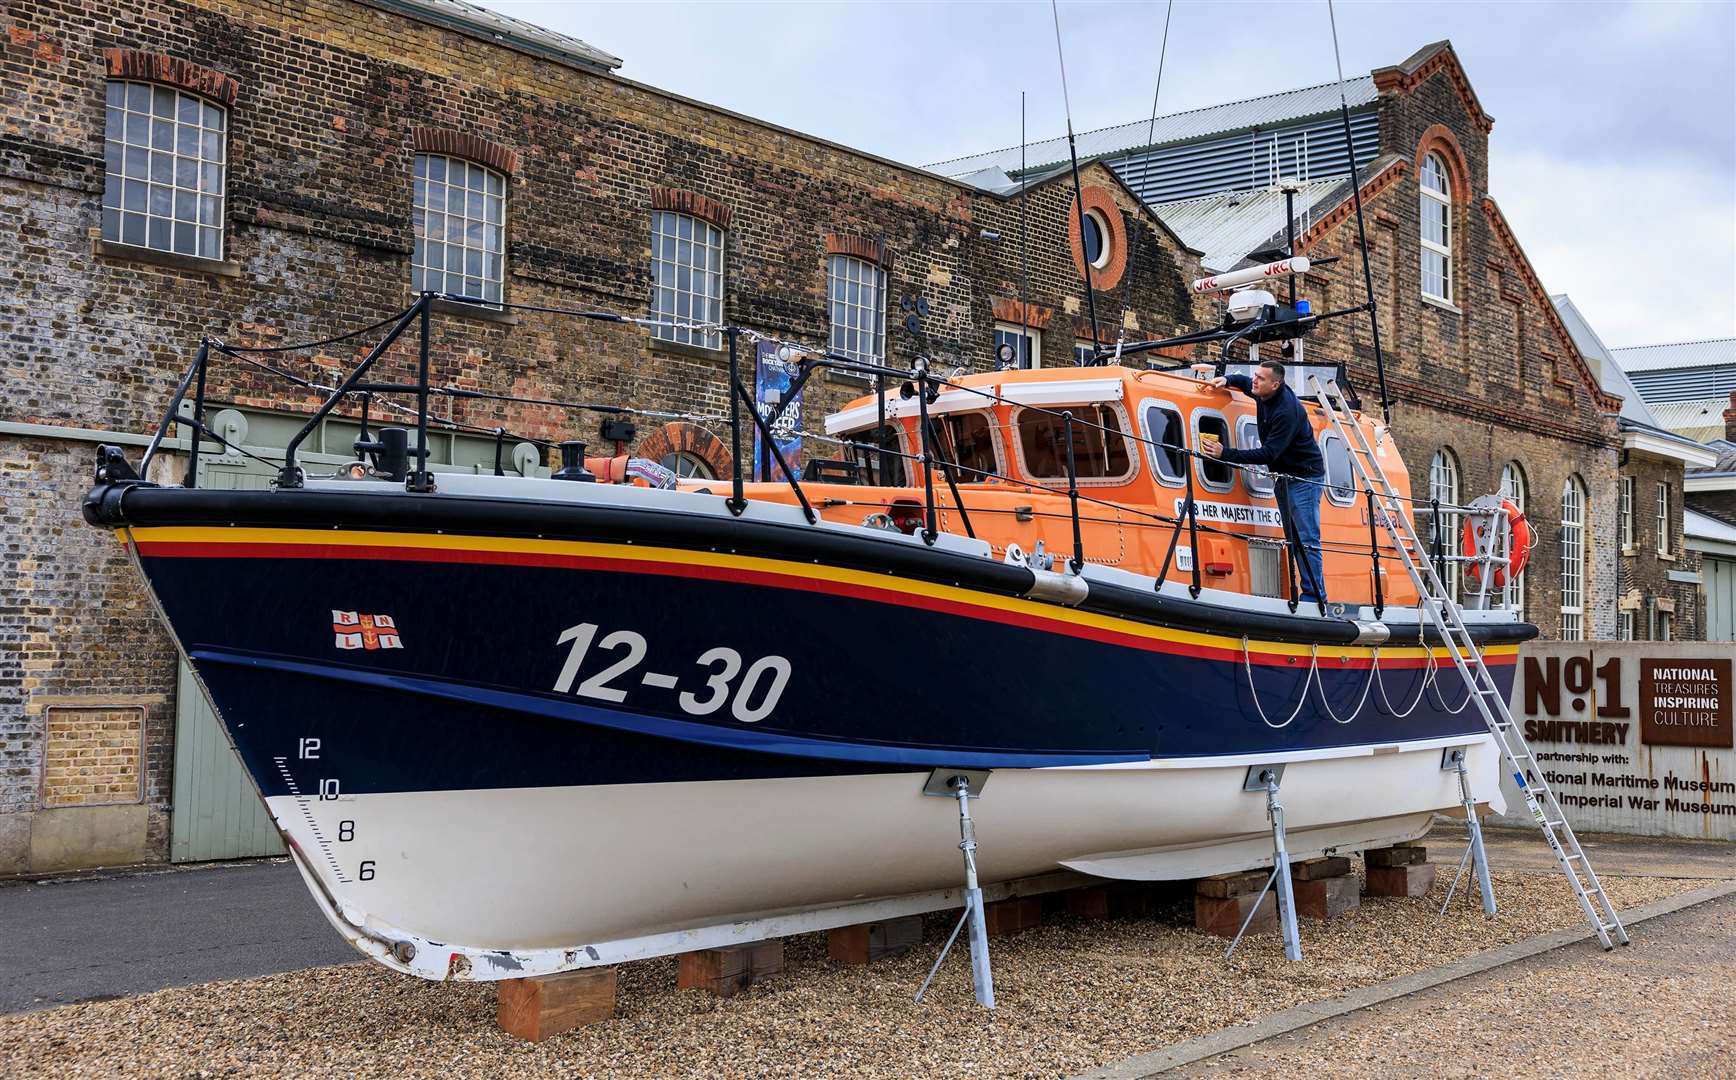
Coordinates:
477 312
691 352
1629 551
1444 305
1667 556
108 249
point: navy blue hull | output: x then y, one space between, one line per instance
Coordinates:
469 699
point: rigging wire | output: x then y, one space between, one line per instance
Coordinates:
1361 227
1150 136
1078 189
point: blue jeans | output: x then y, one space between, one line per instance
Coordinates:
1301 502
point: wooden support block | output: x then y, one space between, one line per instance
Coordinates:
867 942
1414 880
1004 917
547 1005
1319 869
1402 855
1224 886
1328 898
1223 915
729 970
1091 902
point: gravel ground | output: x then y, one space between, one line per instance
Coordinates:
1072 994
1576 1012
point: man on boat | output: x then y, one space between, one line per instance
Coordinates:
1287 448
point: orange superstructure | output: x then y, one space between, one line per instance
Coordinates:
1134 434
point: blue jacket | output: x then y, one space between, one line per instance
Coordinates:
1286 438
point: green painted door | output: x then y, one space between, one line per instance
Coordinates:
218 813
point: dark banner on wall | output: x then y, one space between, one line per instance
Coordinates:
1635 737
774 370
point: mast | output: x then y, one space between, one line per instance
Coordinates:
1150 135
1361 228
1024 239
1078 190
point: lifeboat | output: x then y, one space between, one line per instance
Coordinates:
514 725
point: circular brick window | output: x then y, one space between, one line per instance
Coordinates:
1103 243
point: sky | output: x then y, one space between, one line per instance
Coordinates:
1613 154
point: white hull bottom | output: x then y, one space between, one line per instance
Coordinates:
503 883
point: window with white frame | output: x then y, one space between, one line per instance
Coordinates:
686 279
163 174
1573 560
1624 626
1515 490
1026 343
1444 489
1663 518
1627 513
1437 229
1083 354
1665 628
857 291
460 226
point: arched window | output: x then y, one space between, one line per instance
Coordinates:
1515 490
686 278
1573 560
1437 229
163 182
460 226
1444 489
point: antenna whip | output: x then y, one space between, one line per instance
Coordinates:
1361 229
1150 135
1078 190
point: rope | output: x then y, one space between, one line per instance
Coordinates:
1428 677
1320 684
1248 666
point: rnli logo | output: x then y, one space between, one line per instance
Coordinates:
357 631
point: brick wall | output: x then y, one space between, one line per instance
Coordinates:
330 100
1492 376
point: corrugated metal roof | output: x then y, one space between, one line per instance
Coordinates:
492 25
1178 127
1228 226
1701 420
1678 354
1609 373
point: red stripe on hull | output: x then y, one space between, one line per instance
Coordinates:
219 550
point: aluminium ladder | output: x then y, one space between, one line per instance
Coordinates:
1444 613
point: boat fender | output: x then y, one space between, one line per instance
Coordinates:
1370 633
1066 589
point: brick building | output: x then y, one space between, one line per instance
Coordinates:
1489 390
1659 587
267 173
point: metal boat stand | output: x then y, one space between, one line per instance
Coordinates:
958 784
1266 778
1454 758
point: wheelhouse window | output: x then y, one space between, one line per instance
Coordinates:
1168 442
1099 447
1515 490
967 440
1340 484
1258 478
857 291
1573 560
1437 229
164 171
1026 343
686 279
883 466
1663 518
460 226
1214 474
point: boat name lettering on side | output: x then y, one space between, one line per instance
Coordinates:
1223 513
751 697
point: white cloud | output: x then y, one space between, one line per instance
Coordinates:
1647 249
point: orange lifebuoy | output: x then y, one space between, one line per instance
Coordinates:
1519 552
